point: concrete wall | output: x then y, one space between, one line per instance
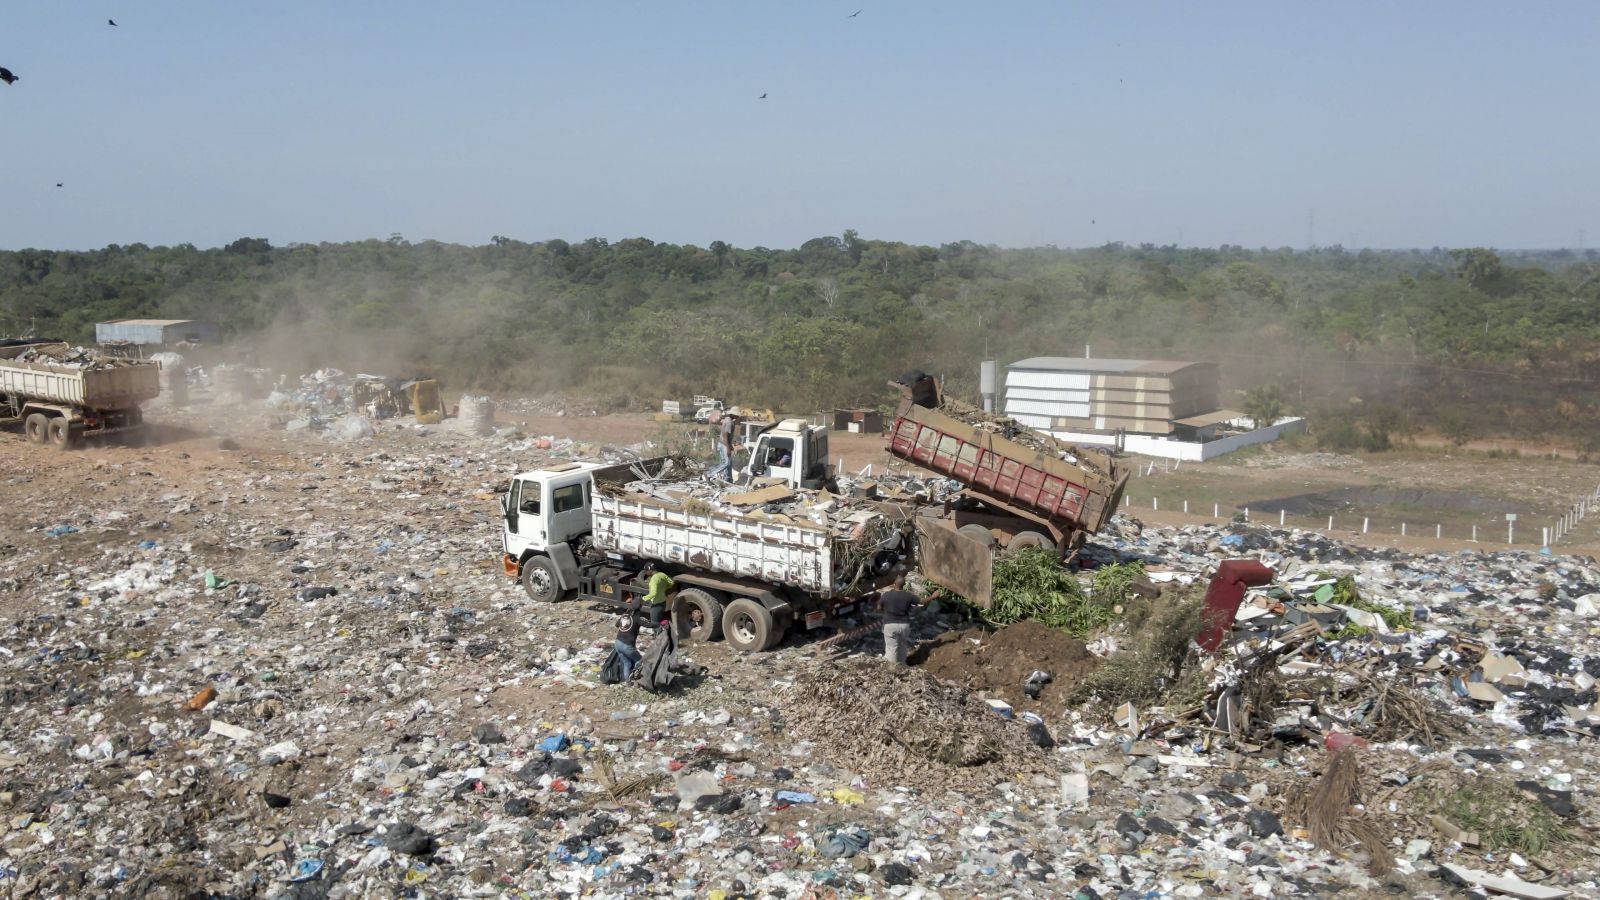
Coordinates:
1167 448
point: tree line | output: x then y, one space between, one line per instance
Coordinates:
1507 343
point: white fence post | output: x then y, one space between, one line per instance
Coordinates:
1216 511
1402 529
1364 523
1330 523
1438 532
1186 507
1280 518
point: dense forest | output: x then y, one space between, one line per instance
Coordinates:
1463 342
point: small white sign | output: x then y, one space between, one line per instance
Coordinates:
1511 517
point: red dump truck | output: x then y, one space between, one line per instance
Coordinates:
1020 488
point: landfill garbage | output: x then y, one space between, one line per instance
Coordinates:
358 730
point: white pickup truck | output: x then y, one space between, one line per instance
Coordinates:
577 530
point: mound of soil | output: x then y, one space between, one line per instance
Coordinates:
995 663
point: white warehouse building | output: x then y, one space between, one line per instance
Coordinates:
1153 407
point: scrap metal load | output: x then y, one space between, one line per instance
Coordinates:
61 393
61 373
812 541
1009 467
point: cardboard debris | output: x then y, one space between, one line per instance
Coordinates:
1449 830
774 494
1499 669
1486 693
1127 716
235 732
1191 761
1513 887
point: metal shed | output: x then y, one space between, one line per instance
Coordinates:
155 332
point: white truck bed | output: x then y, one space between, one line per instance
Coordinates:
116 387
732 544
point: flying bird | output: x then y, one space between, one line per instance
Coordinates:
58 184
8 76
762 97
854 14
112 22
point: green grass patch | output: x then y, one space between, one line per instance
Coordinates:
1504 818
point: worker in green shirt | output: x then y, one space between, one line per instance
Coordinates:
659 583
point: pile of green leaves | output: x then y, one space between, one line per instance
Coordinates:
1114 583
1031 584
1345 593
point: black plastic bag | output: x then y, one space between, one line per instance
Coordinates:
611 668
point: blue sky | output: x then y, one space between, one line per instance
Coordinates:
1410 124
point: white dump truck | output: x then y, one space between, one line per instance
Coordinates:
748 565
59 396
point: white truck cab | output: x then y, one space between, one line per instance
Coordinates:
545 509
793 450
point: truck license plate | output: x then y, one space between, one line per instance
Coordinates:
845 610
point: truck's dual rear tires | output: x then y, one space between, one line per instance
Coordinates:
699 615
750 627
1025 539
57 431
62 434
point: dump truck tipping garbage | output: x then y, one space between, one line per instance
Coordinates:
60 395
1019 487
744 573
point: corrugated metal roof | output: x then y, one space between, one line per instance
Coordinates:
1077 364
1210 418
1121 366
154 323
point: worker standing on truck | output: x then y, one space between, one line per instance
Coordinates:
658 583
895 606
727 426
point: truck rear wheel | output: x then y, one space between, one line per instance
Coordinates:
701 615
62 436
748 626
37 427
978 533
1025 539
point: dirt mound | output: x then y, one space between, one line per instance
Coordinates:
900 725
997 662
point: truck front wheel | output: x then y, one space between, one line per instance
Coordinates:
37 427
540 580
702 615
748 626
